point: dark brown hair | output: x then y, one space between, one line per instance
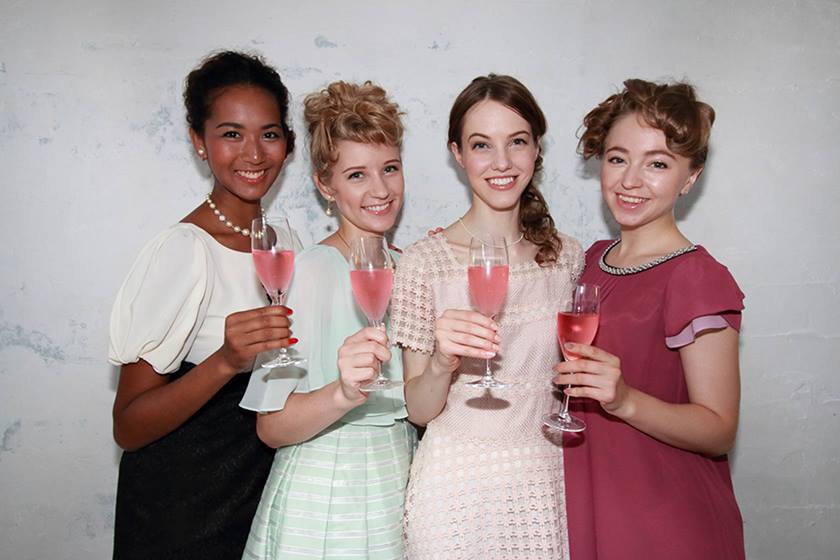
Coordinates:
343 111
672 108
534 218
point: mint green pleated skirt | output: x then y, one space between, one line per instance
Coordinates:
339 495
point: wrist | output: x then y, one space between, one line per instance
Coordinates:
624 407
344 402
441 366
221 366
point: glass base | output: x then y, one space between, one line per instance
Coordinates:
284 360
487 383
567 423
381 384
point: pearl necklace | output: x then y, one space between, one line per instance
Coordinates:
471 234
626 270
222 218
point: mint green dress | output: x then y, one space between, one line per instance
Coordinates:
339 495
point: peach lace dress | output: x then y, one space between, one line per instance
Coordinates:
487 479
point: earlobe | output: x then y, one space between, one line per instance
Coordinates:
691 180
198 144
325 190
456 151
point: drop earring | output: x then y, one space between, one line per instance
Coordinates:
329 209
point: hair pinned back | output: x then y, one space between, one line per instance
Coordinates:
672 108
230 69
344 111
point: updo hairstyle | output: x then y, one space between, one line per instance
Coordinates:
229 69
535 221
354 112
672 108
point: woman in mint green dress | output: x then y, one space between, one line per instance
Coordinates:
337 484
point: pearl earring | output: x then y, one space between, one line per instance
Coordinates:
201 153
329 210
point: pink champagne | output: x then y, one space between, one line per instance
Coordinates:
274 269
576 327
372 289
488 286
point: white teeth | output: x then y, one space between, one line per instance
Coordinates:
379 208
630 199
251 174
501 181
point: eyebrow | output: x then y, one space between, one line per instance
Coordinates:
647 153
479 134
363 167
239 126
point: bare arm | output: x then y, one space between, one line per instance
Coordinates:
458 333
706 424
147 406
307 414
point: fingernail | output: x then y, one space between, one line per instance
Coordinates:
495 326
489 354
293 341
290 311
569 346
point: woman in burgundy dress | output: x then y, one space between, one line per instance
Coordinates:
659 389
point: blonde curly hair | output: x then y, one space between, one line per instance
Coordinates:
344 111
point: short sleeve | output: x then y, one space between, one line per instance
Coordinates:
412 304
699 290
162 302
573 257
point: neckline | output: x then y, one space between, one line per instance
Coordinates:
629 270
215 241
454 259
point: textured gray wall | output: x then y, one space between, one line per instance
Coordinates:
95 159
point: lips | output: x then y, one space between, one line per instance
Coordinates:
378 209
630 201
501 183
251 176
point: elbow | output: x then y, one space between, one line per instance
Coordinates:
268 433
124 439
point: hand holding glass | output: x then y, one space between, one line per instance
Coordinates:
372 278
273 250
578 323
487 275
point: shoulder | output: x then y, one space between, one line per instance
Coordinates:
180 250
424 250
570 256
318 262
700 267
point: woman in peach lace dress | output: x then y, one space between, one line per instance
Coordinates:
487 481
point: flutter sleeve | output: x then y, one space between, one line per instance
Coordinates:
162 302
412 303
701 295
311 297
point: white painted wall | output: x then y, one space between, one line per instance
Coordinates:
95 160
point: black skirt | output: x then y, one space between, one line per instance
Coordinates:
193 493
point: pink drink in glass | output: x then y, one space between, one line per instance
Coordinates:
576 327
372 289
488 286
274 269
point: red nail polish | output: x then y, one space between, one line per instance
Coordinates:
290 311
293 341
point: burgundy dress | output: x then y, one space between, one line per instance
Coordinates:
630 496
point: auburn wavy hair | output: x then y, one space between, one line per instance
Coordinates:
354 112
673 108
535 221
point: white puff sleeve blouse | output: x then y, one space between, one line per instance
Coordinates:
174 301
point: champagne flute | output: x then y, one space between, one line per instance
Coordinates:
372 278
487 275
578 323
273 250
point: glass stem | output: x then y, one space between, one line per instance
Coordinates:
277 298
378 325
564 406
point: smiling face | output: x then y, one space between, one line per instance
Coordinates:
640 177
243 142
498 153
367 185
